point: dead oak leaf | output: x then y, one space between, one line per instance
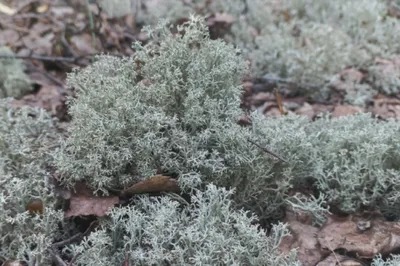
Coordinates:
83 202
345 110
356 234
303 238
221 18
337 259
386 107
90 205
157 183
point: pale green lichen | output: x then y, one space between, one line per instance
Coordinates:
26 137
13 81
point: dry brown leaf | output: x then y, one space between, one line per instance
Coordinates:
8 37
344 110
394 9
83 202
39 45
244 120
48 98
90 205
352 75
262 97
84 43
223 18
366 237
157 183
337 259
306 110
35 206
303 238
386 107
13 263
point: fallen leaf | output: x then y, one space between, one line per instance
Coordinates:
13 263
35 206
62 11
84 43
386 107
337 259
352 75
42 8
8 37
7 10
157 183
366 237
84 205
83 202
303 238
244 120
222 18
49 98
306 110
344 110
262 97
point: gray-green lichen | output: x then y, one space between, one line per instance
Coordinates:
26 138
13 81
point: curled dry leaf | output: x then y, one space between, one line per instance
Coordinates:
366 237
35 206
386 107
306 110
91 205
344 110
157 183
13 263
221 18
83 202
49 98
336 259
303 238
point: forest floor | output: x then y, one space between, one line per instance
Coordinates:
54 37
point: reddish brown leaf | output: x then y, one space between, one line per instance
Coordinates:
49 98
343 110
366 237
303 238
83 202
35 206
157 183
337 259
91 205
306 110
222 18
386 107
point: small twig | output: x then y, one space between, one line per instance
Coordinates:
54 58
267 151
13 27
73 238
287 81
56 257
73 259
48 75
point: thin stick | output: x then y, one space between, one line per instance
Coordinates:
267 151
73 238
52 58
57 258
